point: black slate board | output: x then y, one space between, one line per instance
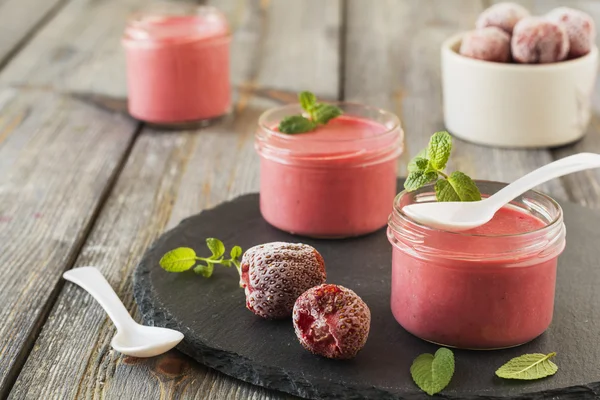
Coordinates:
222 334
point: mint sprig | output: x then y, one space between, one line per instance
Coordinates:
184 258
319 114
428 167
432 373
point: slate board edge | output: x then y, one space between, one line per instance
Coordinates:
271 377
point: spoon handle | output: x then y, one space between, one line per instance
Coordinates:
90 279
564 166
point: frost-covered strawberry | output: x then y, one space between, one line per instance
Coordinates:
275 274
332 321
502 15
539 40
580 29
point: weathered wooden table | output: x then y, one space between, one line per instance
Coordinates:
81 183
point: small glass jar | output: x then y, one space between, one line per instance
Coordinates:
177 64
335 182
476 291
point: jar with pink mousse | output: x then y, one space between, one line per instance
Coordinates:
487 288
336 181
177 64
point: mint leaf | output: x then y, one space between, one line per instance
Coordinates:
216 247
307 100
178 260
439 149
457 187
296 124
417 179
432 373
323 113
418 164
204 270
236 252
528 367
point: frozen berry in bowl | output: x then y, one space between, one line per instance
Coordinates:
539 40
273 275
332 321
580 29
488 44
502 15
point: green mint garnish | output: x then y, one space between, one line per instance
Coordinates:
319 113
528 367
432 373
428 167
184 258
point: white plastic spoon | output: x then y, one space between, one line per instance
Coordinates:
132 338
460 216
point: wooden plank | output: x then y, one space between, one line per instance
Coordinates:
19 20
393 62
58 157
170 176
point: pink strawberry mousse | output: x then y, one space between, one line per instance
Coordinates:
336 181
490 287
178 65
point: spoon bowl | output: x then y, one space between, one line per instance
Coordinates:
132 338
146 341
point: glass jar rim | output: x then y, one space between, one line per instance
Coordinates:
296 106
550 225
136 29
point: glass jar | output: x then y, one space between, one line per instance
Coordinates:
337 181
476 291
177 64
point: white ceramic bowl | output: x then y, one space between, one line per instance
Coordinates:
516 105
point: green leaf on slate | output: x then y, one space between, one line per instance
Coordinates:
236 252
323 113
296 124
528 367
439 149
432 373
417 179
458 187
216 247
307 100
204 270
178 260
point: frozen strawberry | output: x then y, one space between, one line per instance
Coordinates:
580 29
275 274
332 321
538 40
488 44
502 15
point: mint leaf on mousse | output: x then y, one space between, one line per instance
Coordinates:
432 373
183 258
528 367
428 167
319 114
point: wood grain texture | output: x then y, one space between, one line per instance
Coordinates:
58 156
169 176
19 20
393 61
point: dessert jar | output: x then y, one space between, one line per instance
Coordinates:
177 64
335 182
476 291
516 105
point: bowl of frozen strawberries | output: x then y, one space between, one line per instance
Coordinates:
521 80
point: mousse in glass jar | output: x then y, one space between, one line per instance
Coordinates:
487 288
336 181
177 64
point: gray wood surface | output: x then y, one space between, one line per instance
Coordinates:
65 137
19 20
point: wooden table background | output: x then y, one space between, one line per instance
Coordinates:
81 183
